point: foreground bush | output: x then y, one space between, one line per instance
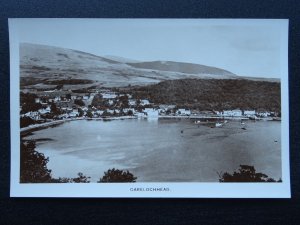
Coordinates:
80 179
246 174
117 176
33 165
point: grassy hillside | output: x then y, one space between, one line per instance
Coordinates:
214 94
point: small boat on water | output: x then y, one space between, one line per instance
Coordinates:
218 124
252 117
276 118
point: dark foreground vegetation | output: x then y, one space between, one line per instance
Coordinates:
246 174
34 169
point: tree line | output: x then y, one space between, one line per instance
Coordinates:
214 94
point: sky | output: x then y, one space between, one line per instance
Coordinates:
244 47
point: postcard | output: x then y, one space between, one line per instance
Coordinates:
168 108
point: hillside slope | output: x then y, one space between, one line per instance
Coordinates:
41 64
214 94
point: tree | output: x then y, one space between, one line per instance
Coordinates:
89 114
80 179
54 109
25 121
79 102
245 174
68 96
30 107
80 111
117 176
33 165
124 101
59 86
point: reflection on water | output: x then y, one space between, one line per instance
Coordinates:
163 150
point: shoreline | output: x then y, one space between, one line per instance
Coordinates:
32 127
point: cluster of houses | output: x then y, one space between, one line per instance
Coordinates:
68 106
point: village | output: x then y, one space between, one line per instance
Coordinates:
41 106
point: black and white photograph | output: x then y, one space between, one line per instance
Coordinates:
149 108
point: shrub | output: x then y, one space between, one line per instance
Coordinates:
117 176
33 165
26 121
246 174
80 179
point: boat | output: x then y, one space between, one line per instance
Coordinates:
276 118
252 118
218 124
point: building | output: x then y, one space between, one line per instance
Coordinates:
109 95
249 112
263 114
132 102
46 110
151 112
37 100
145 102
32 115
183 112
235 112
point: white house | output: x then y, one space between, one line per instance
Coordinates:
100 112
109 95
84 108
132 102
33 115
57 99
37 100
249 112
151 112
126 110
46 110
63 116
110 111
183 112
73 114
235 112
140 114
144 102
264 114
110 102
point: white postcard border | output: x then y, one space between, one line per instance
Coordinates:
161 190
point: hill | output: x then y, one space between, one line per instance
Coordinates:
214 94
41 66
188 68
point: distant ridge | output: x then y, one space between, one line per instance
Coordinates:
189 68
41 66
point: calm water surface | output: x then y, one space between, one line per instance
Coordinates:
166 150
